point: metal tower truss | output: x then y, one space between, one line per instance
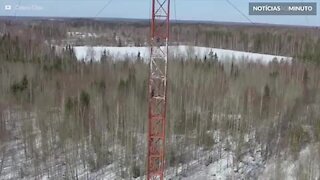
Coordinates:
158 88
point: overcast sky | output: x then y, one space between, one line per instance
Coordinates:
209 10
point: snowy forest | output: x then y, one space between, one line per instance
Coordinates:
61 118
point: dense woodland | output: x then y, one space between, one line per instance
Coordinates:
294 41
61 113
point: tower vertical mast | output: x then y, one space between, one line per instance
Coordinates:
158 65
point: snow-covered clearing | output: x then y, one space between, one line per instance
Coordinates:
95 52
82 34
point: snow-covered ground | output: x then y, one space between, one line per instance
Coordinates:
217 163
82 34
222 161
86 52
306 166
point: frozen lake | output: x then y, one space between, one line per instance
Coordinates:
87 52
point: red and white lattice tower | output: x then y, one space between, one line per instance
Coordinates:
158 88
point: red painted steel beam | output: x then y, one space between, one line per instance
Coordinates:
157 90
